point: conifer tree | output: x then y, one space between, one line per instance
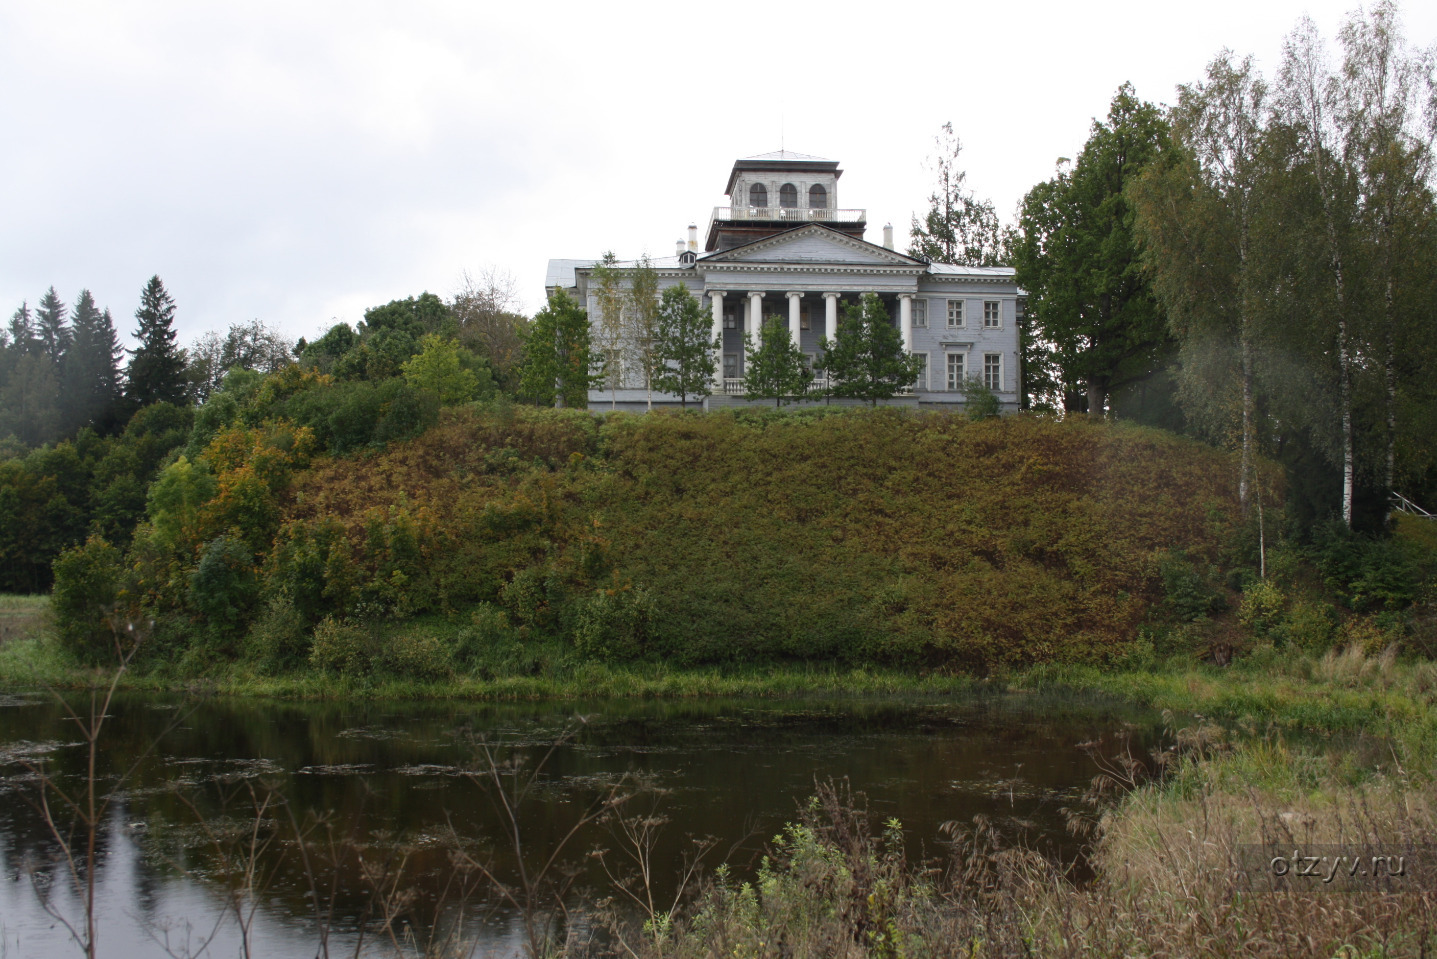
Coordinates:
773 367
22 330
559 366
51 330
866 360
157 368
685 354
92 371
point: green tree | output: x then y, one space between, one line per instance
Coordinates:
22 331
438 369
156 373
50 327
92 368
1198 220
490 325
866 359
245 346
959 227
686 354
641 334
559 367
608 331
1079 262
774 367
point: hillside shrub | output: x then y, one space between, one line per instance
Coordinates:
280 639
1186 591
416 653
344 647
613 624
87 585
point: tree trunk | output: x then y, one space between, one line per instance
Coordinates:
1097 400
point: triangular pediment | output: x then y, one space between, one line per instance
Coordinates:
812 244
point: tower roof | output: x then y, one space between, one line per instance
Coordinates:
785 160
787 156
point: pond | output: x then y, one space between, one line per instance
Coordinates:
316 823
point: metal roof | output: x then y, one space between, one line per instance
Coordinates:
561 273
789 155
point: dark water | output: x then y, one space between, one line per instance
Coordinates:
334 810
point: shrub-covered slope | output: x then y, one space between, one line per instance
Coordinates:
862 537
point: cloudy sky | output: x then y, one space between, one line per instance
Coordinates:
297 162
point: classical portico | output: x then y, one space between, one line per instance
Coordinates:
785 252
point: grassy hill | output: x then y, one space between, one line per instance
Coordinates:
861 537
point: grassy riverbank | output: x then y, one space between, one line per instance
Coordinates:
1282 746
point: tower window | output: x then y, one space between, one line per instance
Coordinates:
758 195
817 197
788 196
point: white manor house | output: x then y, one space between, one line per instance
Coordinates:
783 247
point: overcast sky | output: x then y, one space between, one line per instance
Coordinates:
297 162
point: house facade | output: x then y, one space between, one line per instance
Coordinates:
784 248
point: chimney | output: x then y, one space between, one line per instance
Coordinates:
693 237
888 236
678 247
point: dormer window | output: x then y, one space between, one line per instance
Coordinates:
758 195
788 196
817 197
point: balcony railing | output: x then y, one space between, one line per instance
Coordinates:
789 214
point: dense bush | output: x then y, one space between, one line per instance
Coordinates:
87 586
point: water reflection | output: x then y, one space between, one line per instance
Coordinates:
347 817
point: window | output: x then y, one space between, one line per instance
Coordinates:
992 314
920 313
993 371
788 196
955 312
805 318
730 366
817 197
730 321
920 382
955 371
758 195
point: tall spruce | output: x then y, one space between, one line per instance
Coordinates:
22 331
866 359
92 368
156 373
51 330
686 353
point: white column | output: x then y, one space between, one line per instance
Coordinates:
755 316
830 316
716 299
905 321
795 302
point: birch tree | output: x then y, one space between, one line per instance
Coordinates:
1309 100
1386 113
608 333
641 326
1196 219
